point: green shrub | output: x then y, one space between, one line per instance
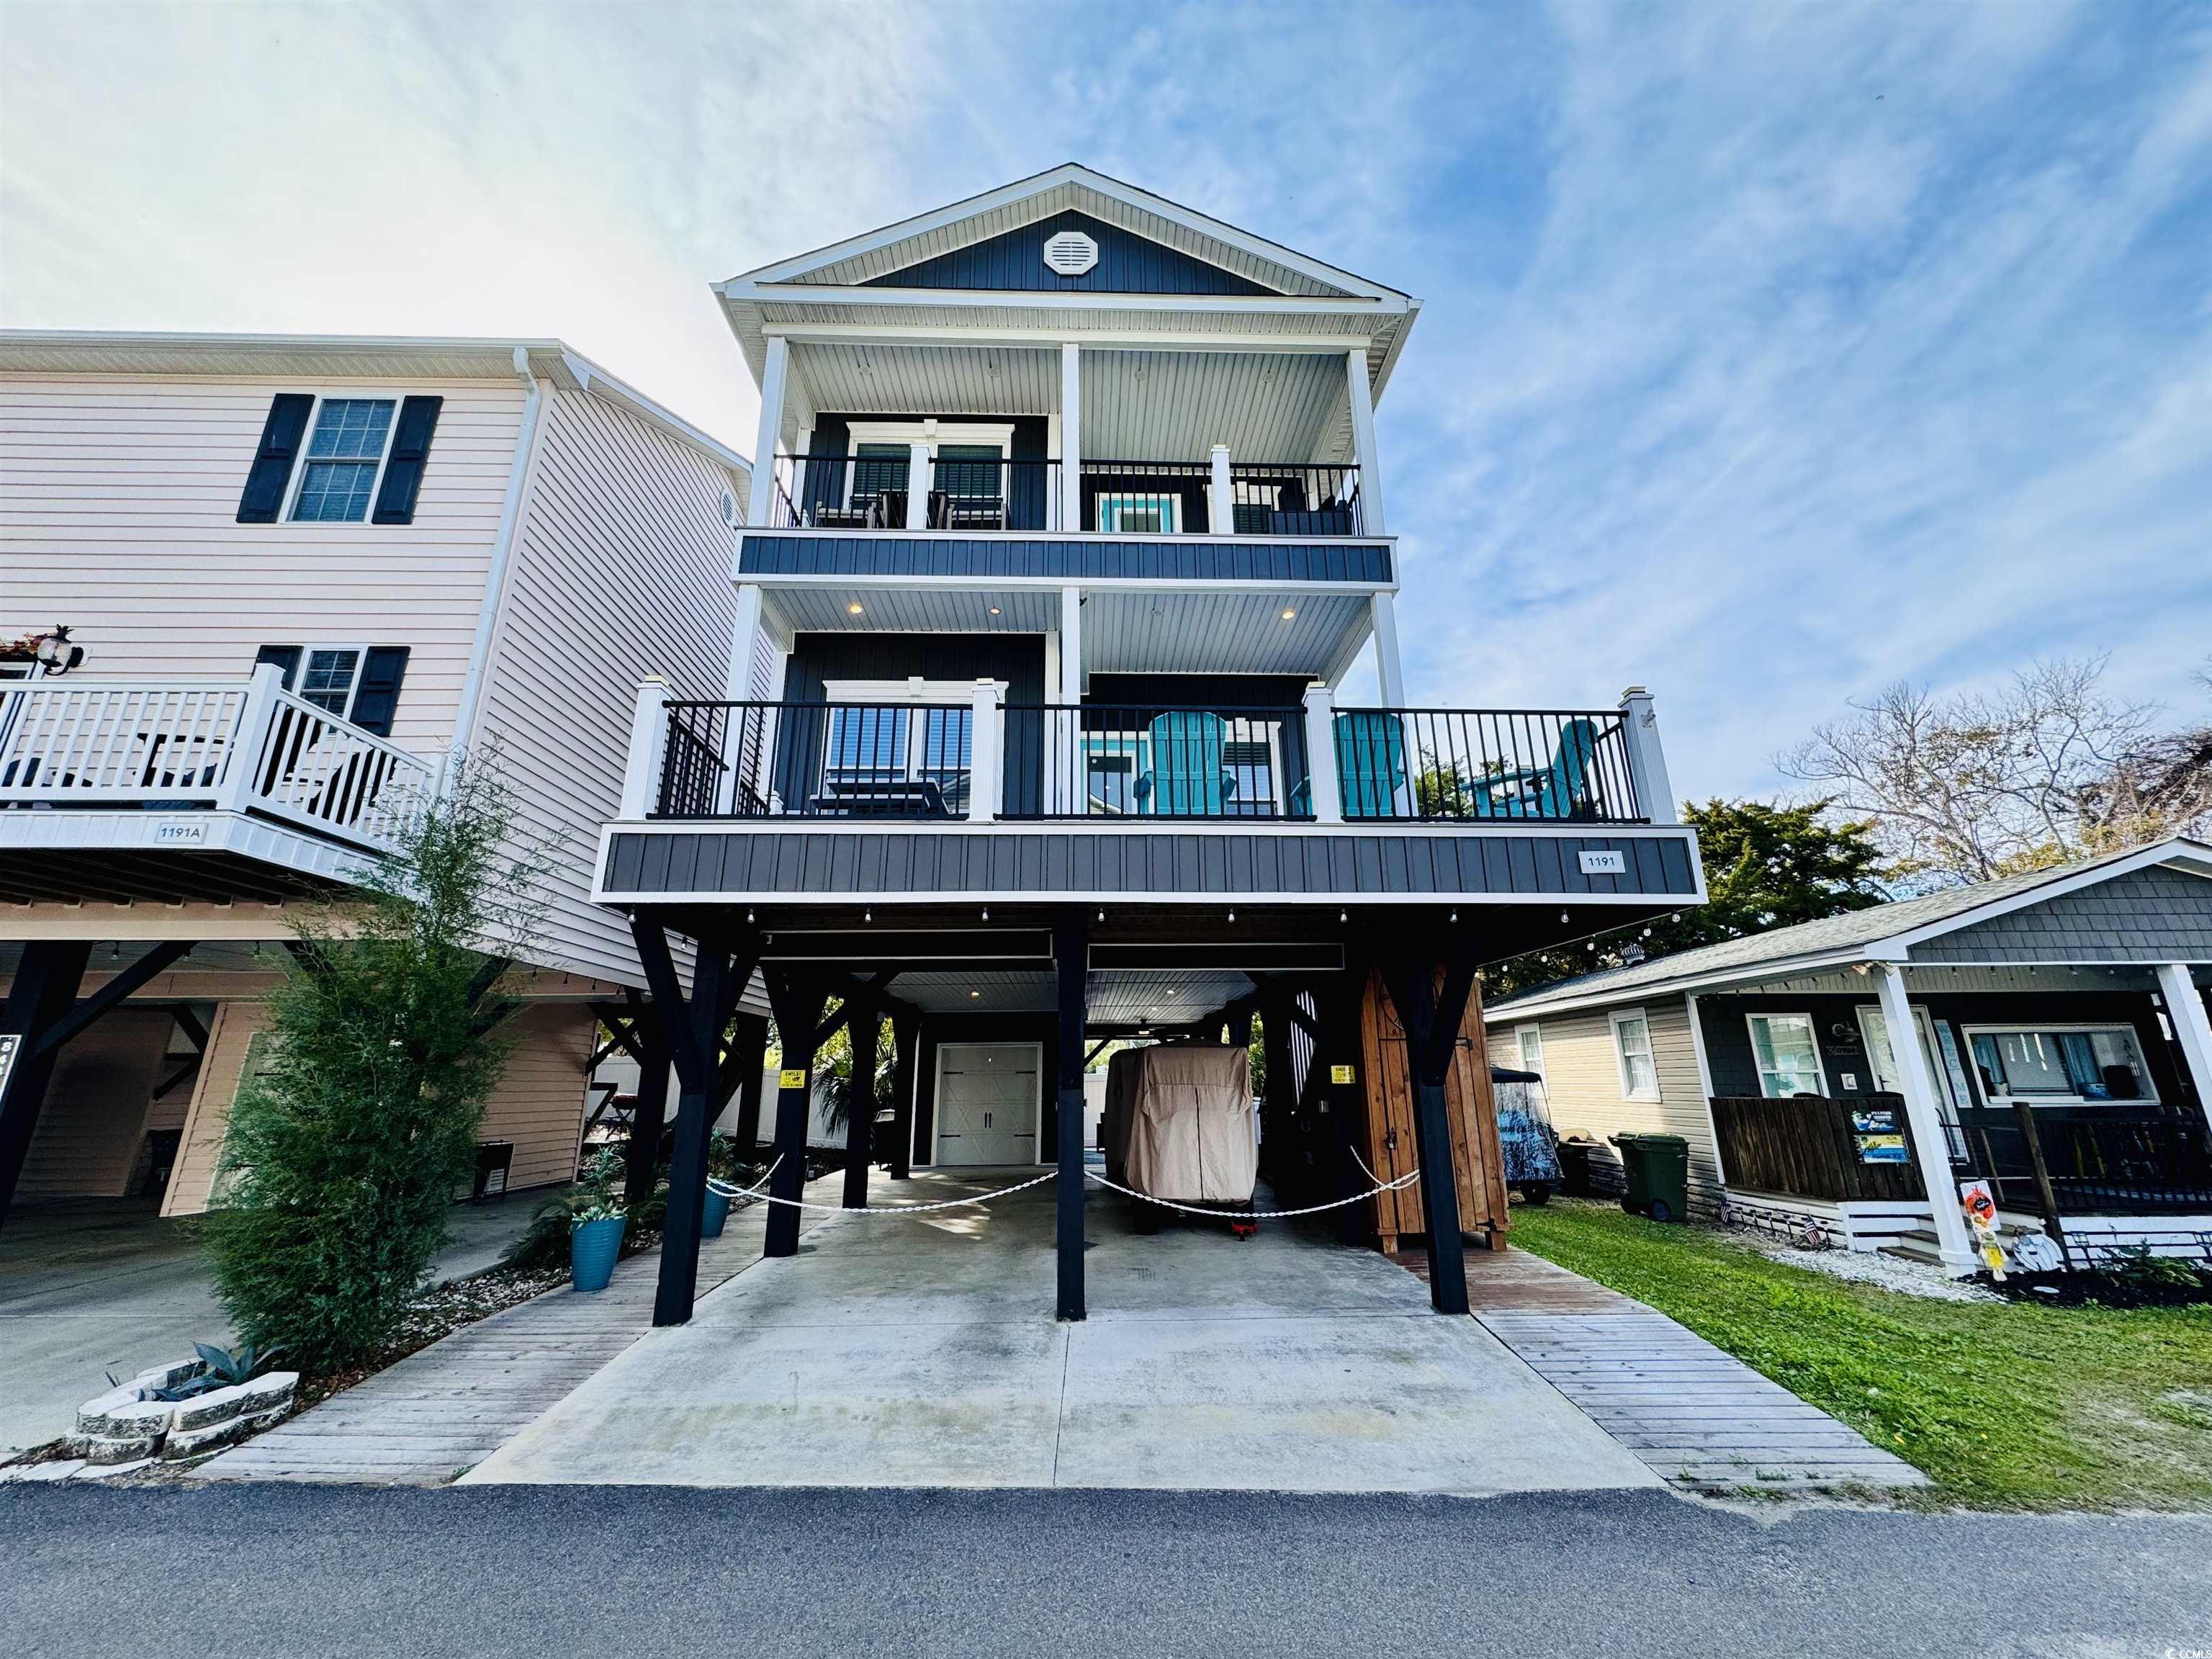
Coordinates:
347 1146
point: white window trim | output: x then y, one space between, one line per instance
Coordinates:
1812 1029
298 478
932 433
307 648
2149 1096
915 691
1619 1018
1521 1046
1169 508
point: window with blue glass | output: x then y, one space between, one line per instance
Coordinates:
345 452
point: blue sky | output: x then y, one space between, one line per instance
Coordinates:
1770 353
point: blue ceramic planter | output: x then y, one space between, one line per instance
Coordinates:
593 1247
716 1212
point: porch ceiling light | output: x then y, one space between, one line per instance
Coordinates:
854 609
975 994
994 610
1288 614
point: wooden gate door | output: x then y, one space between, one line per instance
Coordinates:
1392 1149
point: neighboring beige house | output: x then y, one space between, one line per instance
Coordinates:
2064 1058
300 570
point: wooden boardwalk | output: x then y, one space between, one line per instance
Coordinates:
1693 1413
447 1408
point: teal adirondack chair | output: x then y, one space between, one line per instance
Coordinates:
1561 790
1371 763
1187 778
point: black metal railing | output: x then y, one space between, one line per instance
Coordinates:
1464 765
748 760
871 492
2098 1163
1148 498
1103 761
1294 499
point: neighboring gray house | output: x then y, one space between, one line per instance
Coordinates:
300 570
2063 1055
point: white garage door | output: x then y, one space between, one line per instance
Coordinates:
988 1101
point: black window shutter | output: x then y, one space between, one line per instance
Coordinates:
377 697
403 473
287 658
272 463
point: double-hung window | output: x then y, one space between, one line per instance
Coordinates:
1783 1047
348 459
359 684
1632 1047
345 454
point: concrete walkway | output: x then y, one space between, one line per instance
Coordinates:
94 1285
922 1351
447 1407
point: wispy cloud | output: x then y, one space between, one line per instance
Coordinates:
1770 353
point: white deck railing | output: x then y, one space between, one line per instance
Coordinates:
233 745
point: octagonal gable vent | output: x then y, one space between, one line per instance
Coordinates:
1071 253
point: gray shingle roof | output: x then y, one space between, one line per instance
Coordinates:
1810 938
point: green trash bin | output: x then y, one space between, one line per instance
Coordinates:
1658 1171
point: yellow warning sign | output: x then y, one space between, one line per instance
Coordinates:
1339 1074
791 1080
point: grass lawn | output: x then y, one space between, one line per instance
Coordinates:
2002 1405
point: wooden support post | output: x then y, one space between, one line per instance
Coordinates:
1071 954
649 1119
797 998
906 1040
752 1050
1278 1107
1341 1097
693 1029
47 975
2046 1195
866 1029
1432 1018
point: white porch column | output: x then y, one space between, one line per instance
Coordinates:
1930 1147
648 739
1362 441
744 638
1070 435
2185 1008
1070 645
760 509
1221 508
987 743
1647 762
917 484
1320 755
1388 673
252 731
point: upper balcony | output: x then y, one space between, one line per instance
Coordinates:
120 788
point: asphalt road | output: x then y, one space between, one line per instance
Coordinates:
305 1571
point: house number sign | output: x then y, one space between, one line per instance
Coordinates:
1071 253
1603 864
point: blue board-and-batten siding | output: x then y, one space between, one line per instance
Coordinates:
1127 263
1066 559
1199 864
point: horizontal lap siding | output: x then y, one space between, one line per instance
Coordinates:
119 506
621 569
1582 1086
95 1117
207 1120
540 1103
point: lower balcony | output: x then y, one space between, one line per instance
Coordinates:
125 778
1311 802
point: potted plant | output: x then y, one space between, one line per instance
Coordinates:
721 1153
596 1222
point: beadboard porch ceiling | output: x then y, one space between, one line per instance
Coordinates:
1137 406
1116 998
1124 632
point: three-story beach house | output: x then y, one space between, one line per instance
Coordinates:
252 590
1066 525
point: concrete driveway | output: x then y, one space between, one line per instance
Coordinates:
922 1351
94 1285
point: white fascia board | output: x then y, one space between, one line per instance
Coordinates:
589 376
1041 339
1391 350
1661 989
91 830
1168 585
1042 184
